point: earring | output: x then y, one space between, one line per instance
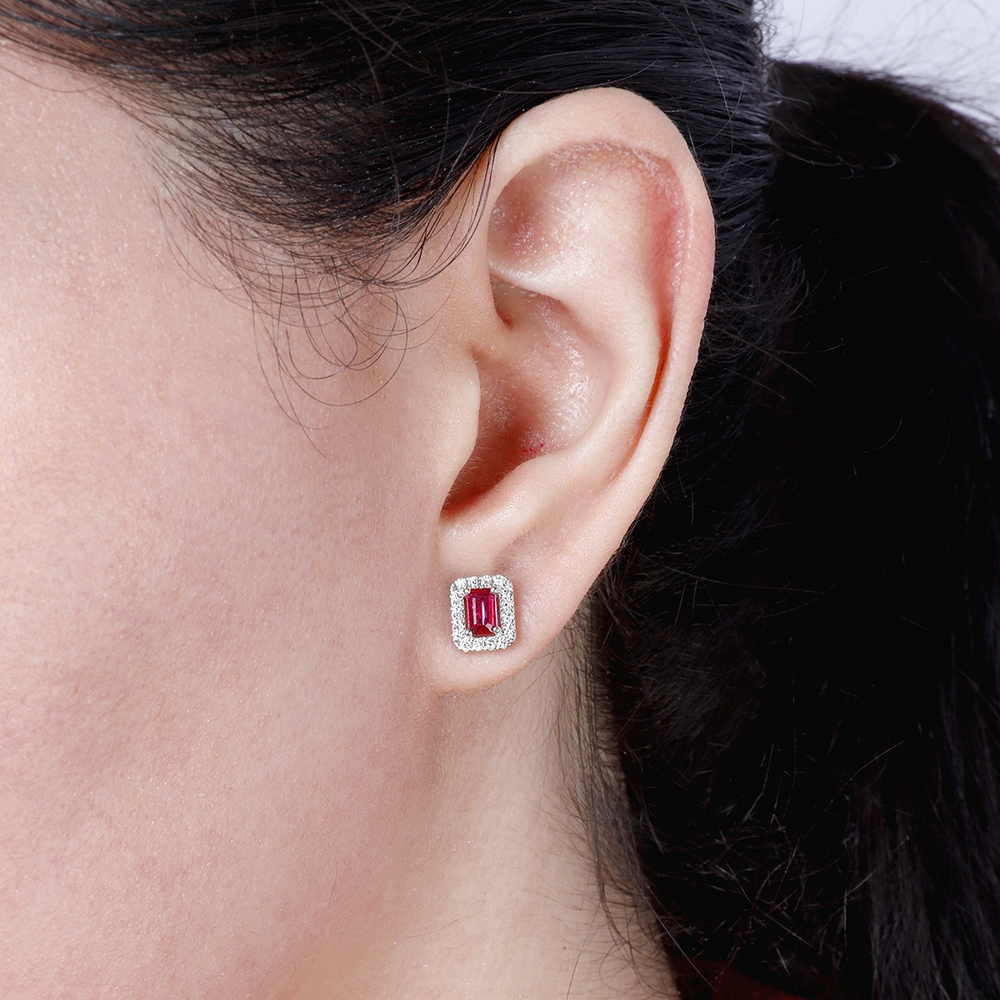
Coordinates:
482 613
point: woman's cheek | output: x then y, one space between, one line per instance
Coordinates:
197 738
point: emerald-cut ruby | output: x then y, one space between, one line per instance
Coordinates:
482 612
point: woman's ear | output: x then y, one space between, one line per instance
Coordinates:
582 294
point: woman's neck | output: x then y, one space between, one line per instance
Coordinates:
495 893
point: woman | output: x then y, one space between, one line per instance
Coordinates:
340 340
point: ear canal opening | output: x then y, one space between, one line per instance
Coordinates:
541 387
508 433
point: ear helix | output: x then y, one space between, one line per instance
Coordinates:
482 613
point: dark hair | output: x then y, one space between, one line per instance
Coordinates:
798 641
803 626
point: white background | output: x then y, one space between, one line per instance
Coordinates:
951 44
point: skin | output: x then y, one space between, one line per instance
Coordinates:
240 756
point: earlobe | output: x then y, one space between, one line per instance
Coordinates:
595 264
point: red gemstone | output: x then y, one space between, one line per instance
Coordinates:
482 612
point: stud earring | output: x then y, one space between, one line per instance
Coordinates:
482 613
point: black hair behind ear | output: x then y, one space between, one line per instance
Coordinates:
805 674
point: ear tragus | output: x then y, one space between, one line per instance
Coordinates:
540 388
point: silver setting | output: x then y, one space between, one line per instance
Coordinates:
504 636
